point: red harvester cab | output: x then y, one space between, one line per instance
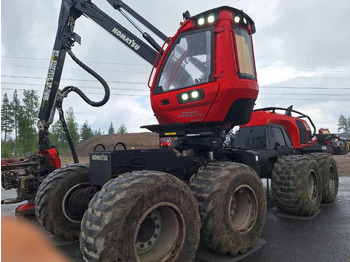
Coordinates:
207 72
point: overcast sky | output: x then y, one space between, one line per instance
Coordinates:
301 49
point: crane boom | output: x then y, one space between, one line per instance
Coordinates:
70 11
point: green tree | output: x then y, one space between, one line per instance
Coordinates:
72 125
97 133
58 137
111 129
27 133
122 129
344 124
16 109
85 132
6 117
6 148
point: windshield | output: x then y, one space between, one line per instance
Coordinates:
189 62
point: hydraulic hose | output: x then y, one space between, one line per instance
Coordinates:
66 131
66 90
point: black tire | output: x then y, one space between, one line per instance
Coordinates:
329 173
141 216
232 205
51 201
297 185
340 150
330 150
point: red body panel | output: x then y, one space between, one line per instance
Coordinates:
260 118
25 207
182 113
225 88
54 159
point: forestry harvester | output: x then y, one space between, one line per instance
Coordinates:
159 204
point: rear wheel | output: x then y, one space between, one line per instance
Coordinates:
232 206
330 179
54 197
297 185
338 150
330 150
141 216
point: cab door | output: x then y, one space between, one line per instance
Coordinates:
185 89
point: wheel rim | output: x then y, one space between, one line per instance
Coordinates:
68 212
333 183
160 233
312 185
149 232
243 208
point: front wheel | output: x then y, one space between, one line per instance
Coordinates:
232 206
141 216
53 201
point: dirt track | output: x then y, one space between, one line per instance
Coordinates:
151 140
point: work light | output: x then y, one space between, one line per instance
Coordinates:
184 96
190 96
201 21
211 18
206 19
237 19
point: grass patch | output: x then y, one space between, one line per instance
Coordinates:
68 160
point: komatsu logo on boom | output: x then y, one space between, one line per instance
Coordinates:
50 75
130 42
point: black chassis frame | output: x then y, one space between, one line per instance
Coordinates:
108 164
206 144
192 148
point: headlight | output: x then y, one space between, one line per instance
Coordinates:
194 94
190 96
184 97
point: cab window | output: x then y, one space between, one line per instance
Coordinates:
279 137
189 63
245 59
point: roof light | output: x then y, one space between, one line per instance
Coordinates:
201 21
237 19
211 18
244 20
207 18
